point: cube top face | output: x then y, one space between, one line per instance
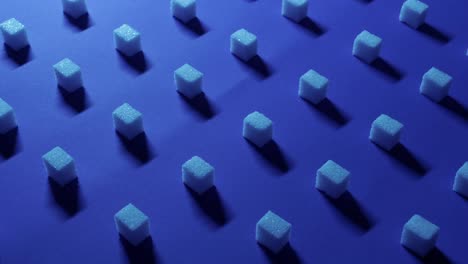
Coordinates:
244 37
131 217
416 6
334 172
258 121
188 73
12 26
297 3
314 79
274 225
438 77
127 33
57 158
126 113
421 227
463 171
198 167
67 67
388 124
184 3
5 108
369 39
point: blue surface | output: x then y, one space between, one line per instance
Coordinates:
365 227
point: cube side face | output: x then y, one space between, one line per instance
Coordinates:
198 174
127 121
460 185
126 45
313 90
383 139
416 243
257 136
14 34
59 166
432 91
244 51
132 224
197 184
184 10
74 8
273 232
7 118
412 17
330 187
129 130
267 240
188 81
388 125
63 176
71 82
364 52
295 10
135 237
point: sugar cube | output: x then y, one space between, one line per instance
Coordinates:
132 224
74 8
367 46
244 44
198 174
419 235
128 121
7 117
460 185
435 84
273 232
60 166
14 34
295 10
413 13
188 81
258 129
313 86
184 10
127 40
385 132
68 75
332 179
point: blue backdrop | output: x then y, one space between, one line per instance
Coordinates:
41 223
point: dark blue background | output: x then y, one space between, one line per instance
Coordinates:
43 224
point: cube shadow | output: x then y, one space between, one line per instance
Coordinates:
286 256
80 23
200 104
77 100
434 33
403 155
330 111
139 147
19 57
194 26
435 256
273 154
211 205
144 253
9 144
384 67
68 197
352 210
257 65
310 26
137 63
